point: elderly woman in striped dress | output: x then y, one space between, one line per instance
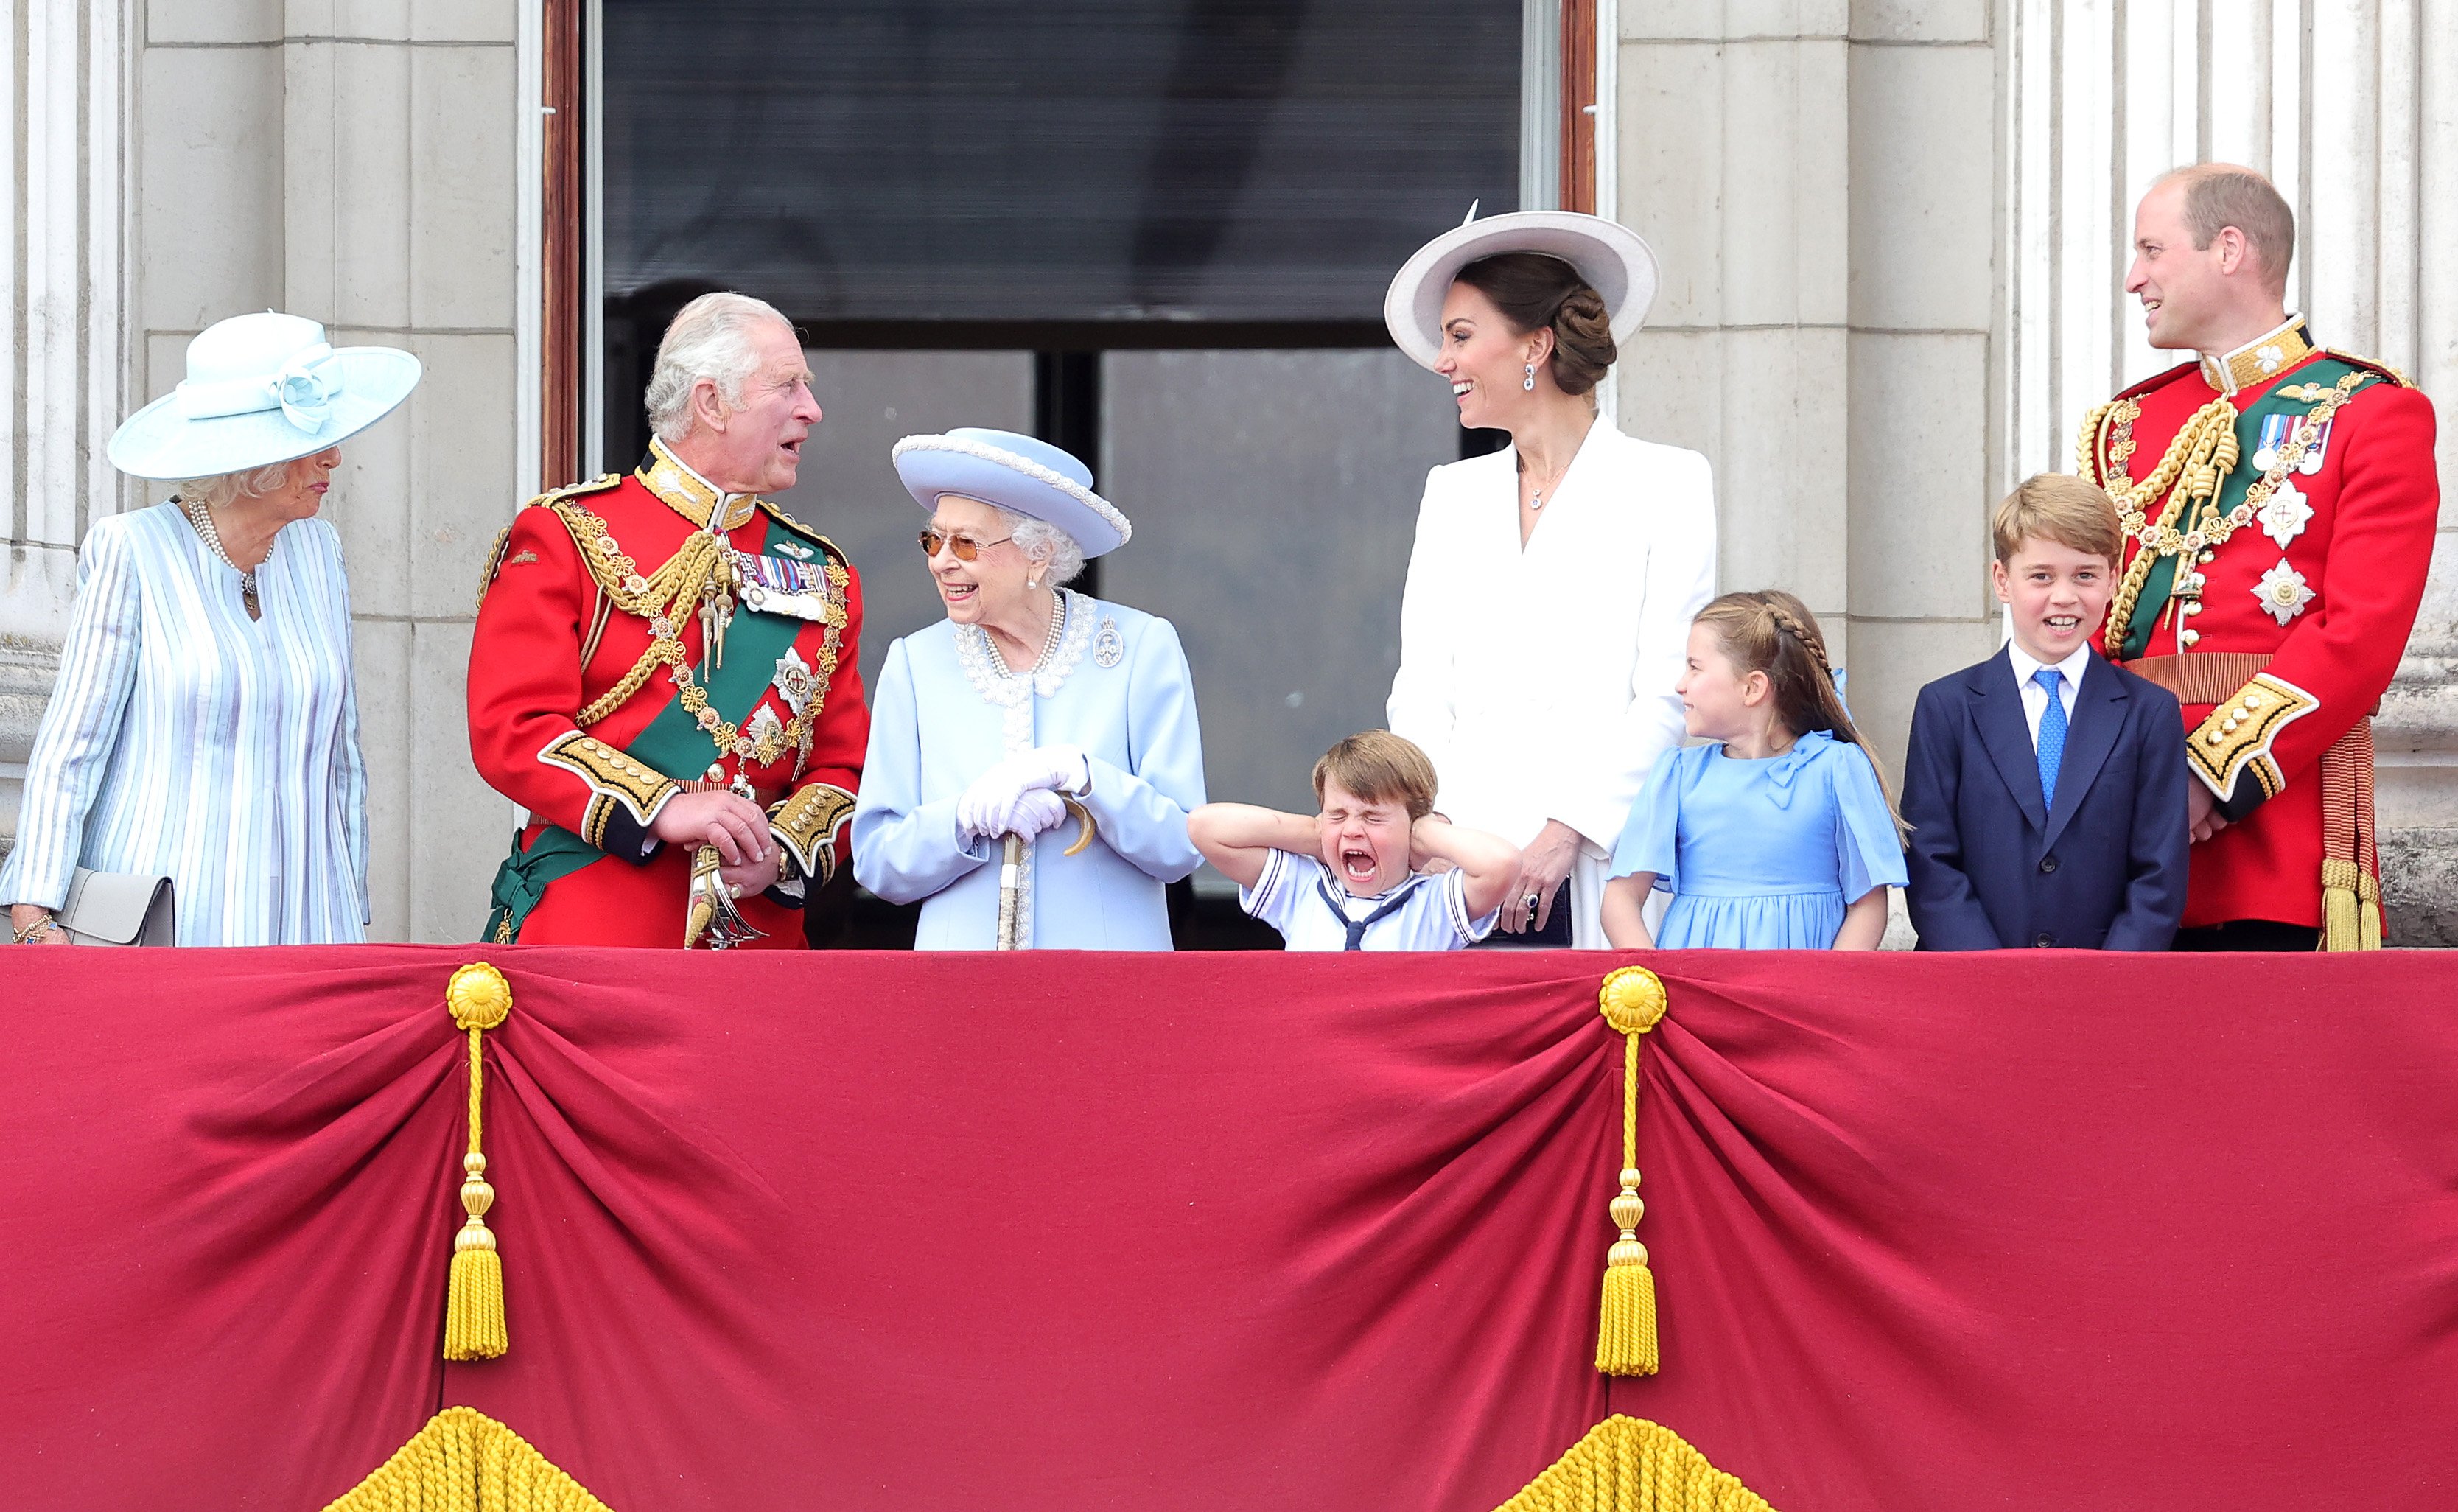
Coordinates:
204 725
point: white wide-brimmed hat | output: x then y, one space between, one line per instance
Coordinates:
1022 473
1615 261
260 389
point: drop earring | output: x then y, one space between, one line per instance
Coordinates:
1530 382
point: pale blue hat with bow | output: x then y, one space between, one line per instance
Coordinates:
260 389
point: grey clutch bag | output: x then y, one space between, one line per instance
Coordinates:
118 909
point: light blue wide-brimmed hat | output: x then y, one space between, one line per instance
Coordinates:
1022 473
1615 261
261 389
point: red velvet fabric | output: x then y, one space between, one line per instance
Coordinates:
1235 1232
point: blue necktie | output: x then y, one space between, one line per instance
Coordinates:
1356 927
2052 735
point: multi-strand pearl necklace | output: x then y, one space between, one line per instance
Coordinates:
203 519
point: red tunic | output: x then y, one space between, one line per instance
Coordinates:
532 671
2330 610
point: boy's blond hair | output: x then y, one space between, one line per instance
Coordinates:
1380 767
2061 507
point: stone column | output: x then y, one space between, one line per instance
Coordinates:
62 373
1819 179
349 160
2344 104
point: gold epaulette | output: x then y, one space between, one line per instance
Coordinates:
548 499
777 512
2370 365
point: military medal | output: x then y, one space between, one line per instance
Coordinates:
2283 592
2285 515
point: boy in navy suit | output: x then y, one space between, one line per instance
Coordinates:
2045 788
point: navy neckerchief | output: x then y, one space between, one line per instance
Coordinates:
1356 927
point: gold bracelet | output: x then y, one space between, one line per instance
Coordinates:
32 934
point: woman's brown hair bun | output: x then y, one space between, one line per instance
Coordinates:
1533 290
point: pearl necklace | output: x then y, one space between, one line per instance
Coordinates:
1049 641
203 519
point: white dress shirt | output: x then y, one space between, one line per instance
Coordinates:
2035 699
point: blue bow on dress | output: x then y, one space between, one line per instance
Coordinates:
1784 768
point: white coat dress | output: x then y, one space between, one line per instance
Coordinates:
1540 681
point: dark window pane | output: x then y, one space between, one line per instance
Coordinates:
1071 160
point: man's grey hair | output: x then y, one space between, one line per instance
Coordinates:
1062 558
710 338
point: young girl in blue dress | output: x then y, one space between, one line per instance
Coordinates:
1778 836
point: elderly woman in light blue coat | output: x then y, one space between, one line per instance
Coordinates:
1025 695
204 725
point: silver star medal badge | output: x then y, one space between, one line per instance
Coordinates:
2283 592
793 681
2285 514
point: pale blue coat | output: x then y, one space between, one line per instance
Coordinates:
932 732
185 739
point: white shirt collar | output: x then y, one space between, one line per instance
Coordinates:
2026 664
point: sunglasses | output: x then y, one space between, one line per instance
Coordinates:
965 548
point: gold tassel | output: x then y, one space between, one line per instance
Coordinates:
463 1460
2368 924
2341 915
474 1297
1633 1002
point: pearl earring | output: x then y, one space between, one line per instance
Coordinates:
1530 382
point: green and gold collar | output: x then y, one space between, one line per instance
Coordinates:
689 494
2259 361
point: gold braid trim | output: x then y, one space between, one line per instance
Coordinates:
806 824
2239 734
2201 455
1630 1464
463 1460
613 775
662 597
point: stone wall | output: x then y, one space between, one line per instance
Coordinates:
1819 179
349 160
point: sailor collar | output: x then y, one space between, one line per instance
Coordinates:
689 494
2259 361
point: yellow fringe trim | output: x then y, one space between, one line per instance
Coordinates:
1629 1464
1631 1000
2350 907
463 1460
479 999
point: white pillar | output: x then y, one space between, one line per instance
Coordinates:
2352 119
62 368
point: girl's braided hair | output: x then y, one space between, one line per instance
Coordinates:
1770 631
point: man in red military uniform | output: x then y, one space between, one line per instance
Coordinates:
2279 502
663 671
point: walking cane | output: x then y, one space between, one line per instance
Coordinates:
1011 871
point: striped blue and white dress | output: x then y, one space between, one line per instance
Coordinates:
185 739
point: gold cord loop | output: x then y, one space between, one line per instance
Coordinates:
1633 1002
479 999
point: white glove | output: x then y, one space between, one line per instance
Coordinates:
982 808
1035 810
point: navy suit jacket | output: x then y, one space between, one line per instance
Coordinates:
1991 865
